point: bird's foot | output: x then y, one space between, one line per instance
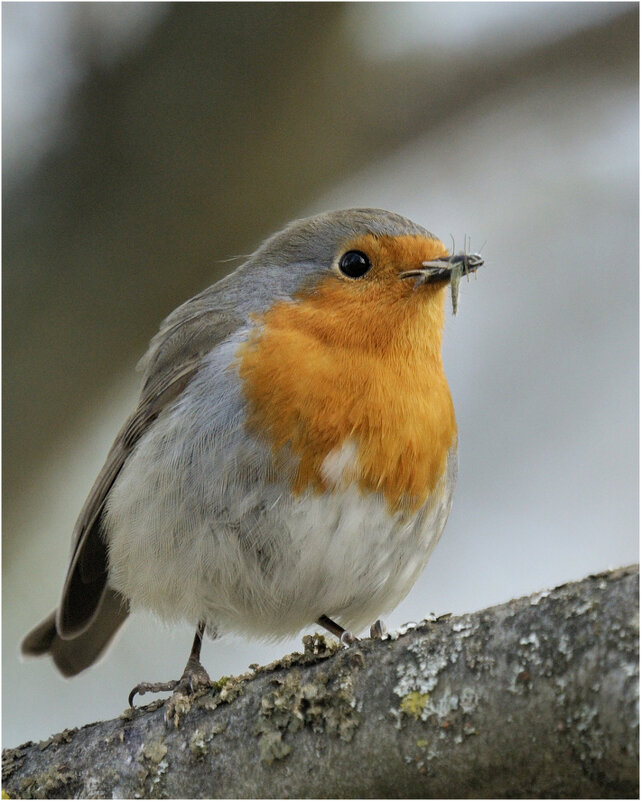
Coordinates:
377 630
193 681
151 687
183 690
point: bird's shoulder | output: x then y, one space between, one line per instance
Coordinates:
190 332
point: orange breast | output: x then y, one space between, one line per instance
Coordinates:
359 362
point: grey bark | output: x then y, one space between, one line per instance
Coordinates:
534 698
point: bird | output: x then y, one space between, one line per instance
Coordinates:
293 454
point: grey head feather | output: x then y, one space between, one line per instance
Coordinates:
302 252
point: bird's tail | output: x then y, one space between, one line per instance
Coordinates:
73 655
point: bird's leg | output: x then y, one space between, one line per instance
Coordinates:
193 678
346 637
194 675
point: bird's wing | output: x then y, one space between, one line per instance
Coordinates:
173 358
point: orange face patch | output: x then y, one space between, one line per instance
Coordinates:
391 255
358 360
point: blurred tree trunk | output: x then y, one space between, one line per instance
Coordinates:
535 698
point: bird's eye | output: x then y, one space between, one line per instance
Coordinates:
354 264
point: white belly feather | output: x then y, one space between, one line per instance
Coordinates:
200 526
339 553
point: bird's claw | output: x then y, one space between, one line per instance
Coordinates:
194 678
377 630
151 687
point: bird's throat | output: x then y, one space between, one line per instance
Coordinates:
320 373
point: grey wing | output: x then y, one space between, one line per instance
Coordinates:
173 358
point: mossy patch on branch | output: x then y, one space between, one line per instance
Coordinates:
325 703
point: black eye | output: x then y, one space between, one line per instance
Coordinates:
354 264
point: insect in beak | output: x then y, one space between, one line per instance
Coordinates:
449 269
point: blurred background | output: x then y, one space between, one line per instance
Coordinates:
145 144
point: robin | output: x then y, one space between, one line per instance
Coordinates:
292 457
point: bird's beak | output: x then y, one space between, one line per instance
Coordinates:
447 269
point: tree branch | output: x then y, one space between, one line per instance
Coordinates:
535 698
